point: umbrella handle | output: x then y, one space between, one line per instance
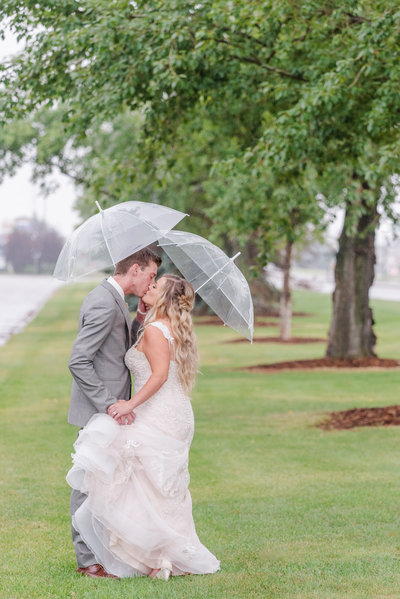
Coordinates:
218 271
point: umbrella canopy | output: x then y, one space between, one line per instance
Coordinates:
214 276
112 235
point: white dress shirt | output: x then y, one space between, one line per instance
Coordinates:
117 286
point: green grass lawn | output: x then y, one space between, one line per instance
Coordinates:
291 511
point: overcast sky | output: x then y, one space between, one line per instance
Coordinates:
20 197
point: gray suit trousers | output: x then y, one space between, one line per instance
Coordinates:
84 557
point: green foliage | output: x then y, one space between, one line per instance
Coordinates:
249 108
249 197
15 142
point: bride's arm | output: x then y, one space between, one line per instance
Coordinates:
156 349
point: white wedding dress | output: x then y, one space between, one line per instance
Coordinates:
138 513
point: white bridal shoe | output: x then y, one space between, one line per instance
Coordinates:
162 574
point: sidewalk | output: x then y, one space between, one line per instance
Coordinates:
21 298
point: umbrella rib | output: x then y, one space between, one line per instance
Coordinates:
233 304
218 271
102 230
242 318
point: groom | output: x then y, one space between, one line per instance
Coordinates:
100 376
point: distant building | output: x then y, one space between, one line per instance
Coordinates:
316 255
388 259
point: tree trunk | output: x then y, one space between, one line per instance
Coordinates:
285 311
351 333
265 296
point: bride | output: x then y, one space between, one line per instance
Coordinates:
137 518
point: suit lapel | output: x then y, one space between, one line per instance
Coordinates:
122 305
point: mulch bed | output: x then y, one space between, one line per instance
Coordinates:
212 320
215 320
368 362
292 340
386 416
275 314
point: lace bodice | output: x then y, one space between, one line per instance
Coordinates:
169 409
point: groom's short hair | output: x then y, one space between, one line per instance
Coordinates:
143 258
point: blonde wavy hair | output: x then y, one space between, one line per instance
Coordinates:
175 301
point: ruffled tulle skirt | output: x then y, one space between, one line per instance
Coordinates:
138 511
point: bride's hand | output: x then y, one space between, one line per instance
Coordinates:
142 310
119 409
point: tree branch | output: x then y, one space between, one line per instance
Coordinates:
303 37
358 18
268 67
357 77
257 62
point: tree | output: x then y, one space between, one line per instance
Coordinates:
19 250
279 211
32 247
311 89
113 164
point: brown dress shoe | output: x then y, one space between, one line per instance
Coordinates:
95 571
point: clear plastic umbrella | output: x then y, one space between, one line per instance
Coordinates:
112 235
214 276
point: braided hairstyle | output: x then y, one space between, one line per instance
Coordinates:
175 301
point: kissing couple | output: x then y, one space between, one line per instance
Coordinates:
131 507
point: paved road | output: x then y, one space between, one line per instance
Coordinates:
21 298
324 282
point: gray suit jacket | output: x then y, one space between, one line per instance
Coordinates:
97 357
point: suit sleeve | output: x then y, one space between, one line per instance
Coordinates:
136 326
96 326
